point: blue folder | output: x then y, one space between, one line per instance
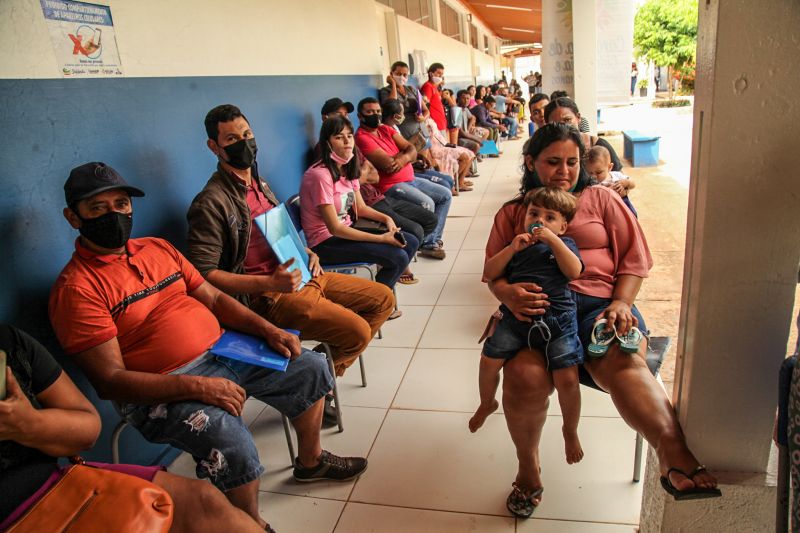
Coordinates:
250 349
277 227
489 148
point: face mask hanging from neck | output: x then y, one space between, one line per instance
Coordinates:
339 159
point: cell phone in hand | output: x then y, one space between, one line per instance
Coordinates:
2 375
400 238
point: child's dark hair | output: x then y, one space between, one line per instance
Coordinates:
598 153
554 199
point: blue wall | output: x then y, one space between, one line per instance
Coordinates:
151 131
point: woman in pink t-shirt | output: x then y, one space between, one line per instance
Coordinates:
329 193
616 259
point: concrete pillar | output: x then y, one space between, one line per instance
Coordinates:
557 53
742 252
614 50
584 39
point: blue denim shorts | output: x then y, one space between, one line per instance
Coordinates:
220 443
563 348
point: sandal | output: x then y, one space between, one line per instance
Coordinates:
466 183
407 279
464 188
520 502
395 314
631 340
695 493
601 339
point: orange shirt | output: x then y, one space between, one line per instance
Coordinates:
141 298
609 237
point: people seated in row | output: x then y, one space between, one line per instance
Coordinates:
484 119
565 110
413 218
506 110
230 251
44 416
599 166
392 155
451 159
329 193
470 136
120 305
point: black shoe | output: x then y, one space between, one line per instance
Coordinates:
329 418
330 467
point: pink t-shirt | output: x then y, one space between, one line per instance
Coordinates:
318 189
609 237
383 138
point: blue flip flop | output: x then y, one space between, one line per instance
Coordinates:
631 340
601 339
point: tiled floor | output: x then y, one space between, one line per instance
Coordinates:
427 472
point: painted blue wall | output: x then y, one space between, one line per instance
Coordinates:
151 131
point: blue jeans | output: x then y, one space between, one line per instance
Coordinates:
392 260
513 125
436 177
429 195
220 443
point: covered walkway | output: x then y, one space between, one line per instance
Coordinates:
427 472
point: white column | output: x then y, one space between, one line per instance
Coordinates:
557 56
742 252
614 50
584 31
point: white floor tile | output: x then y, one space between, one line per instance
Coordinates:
469 262
404 332
384 368
298 514
463 207
456 326
441 380
452 240
362 518
466 289
426 292
476 239
444 467
457 224
360 428
425 265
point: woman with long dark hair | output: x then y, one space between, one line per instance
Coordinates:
616 259
330 200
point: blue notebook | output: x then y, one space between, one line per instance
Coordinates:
489 148
277 227
250 349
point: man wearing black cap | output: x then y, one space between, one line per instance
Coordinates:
335 106
139 320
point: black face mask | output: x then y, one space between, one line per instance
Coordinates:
111 230
242 154
371 121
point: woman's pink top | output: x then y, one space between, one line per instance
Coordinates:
609 237
318 189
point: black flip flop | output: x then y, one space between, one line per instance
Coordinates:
695 493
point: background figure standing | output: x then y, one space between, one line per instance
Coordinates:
634 76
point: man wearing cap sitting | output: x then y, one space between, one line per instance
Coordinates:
139 320
231 252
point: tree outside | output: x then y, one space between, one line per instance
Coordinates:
665 32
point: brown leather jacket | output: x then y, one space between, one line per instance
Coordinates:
219 225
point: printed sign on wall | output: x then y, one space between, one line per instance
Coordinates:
558 63
83 38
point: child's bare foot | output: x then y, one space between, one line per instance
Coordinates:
572 446
481 414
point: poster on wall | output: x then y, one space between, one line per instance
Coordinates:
558 61
83 38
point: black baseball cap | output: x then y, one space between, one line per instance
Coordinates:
92 178
335 103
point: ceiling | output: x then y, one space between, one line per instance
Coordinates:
507 17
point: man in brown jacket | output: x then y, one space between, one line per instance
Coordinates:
231 252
